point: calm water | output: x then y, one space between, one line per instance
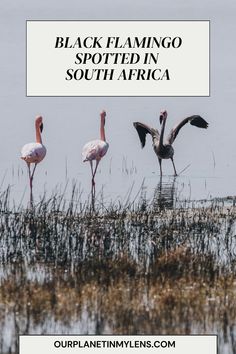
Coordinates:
71 122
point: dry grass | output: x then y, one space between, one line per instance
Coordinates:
135 269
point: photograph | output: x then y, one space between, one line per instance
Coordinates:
117 180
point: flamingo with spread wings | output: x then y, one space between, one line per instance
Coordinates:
165 150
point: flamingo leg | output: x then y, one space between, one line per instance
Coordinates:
29 172
31 176
93 186
97 162
28 165
30 183
174 166
91 165
160 161
35 165
93 197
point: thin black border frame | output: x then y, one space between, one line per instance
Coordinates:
209 56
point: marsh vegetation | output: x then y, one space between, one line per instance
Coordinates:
159 266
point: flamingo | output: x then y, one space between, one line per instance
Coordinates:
165 150
96 149
34 152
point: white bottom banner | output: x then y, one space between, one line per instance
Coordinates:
118 344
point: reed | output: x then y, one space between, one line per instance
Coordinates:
144 266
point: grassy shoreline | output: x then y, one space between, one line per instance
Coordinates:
143 268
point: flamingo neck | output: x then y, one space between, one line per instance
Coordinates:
38 133
102 129
162 131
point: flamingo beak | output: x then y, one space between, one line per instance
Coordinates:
161 118
41 127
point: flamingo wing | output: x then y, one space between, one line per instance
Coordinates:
94 150
143 130
33 152
193 120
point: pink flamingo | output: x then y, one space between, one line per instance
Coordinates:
34 152
96 149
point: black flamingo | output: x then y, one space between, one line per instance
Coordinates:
165 150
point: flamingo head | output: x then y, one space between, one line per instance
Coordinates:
103 115
163 116
39 122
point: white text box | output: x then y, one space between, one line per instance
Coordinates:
118 344
117 58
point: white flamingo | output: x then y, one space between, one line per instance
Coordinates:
94 150
34 152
